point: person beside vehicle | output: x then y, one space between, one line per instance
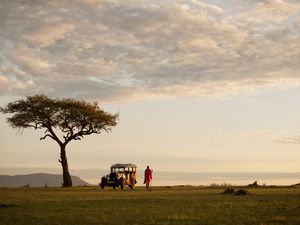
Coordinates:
148 177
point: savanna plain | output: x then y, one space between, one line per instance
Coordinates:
161 205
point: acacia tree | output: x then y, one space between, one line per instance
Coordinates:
64 120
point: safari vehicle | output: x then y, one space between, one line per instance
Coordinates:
121 175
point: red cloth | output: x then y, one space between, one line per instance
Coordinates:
148 175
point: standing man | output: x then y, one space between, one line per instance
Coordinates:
148 177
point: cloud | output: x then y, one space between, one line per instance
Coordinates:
210 8
277 10
3 81
147 49
288 140
49 34
30 63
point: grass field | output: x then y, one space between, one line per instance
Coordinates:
161 205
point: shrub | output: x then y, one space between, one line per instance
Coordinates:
228 191
241 192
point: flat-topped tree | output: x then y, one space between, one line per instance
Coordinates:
64 120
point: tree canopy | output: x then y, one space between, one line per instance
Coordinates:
73 118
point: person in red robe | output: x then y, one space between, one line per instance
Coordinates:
148 177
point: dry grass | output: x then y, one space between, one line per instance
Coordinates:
172 205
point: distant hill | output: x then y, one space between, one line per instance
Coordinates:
164 178
38 180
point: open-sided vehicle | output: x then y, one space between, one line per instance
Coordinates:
121 175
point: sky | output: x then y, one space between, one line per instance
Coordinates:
201 86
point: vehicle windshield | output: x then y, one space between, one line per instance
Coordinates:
122 169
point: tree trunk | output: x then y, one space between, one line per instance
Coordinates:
67 181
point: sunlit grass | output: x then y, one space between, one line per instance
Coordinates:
175 205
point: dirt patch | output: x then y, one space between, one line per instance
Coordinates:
3 205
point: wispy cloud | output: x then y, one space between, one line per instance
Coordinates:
265 135
288 140
144 49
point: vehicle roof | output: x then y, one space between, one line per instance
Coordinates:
123 165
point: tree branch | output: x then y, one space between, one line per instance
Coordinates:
54 136
47 135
